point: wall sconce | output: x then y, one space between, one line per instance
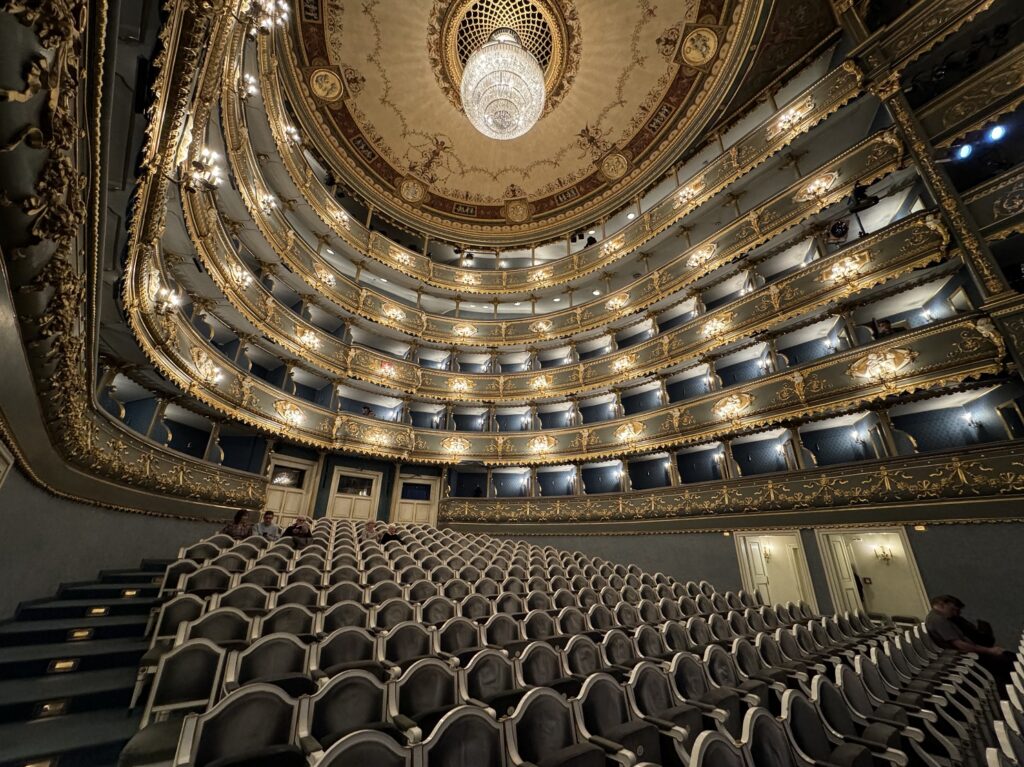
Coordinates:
167 300
204 174
264 15
247 87
766 553
857 437
969 420
883 554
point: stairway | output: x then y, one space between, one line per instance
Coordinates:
67 668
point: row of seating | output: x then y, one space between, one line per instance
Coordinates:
566 678
1009 730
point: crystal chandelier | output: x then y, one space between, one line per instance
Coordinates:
502 87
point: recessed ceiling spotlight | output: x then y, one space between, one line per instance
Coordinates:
592 232
557 300
631 216
517 303
383 279
597 292
503 264
996 133
330 252
964 151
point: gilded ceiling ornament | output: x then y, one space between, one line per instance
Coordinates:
718 325
290 412
464 330
846 268
614 166
540 275
387 370
541 382
206 368
699 47
624 363
541 444
612 245
412 190
617 302
732 407
239 275
541 326
455 445
378 436
393 312
326 85
465 278
818 188
688 194
882 366
702 255
630 432
517 211
399 256
324 275
310 340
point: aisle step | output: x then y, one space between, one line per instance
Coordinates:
45 609
88 739
131 576
93 590
69 693
18 632
92 654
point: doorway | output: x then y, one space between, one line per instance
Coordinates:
416 500
290 493
773 564
873 569
355 494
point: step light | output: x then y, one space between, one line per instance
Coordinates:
51 708
129 593
77 635
97 612
62 666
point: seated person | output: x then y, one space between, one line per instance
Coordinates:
947 630
390 535
299 532
266 528
239 527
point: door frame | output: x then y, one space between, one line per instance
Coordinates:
831 568
746 573
377 477
312 469
434 482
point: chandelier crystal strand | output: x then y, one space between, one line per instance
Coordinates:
503 87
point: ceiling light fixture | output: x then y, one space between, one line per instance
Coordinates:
502 87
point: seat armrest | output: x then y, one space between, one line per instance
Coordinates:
480 704
409 728
878 749
309 744
608 745
702 706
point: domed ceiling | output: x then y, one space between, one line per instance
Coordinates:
630 85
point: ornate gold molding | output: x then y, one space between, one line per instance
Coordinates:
980 473
772 135
867 161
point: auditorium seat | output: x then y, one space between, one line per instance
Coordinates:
542 732
282 660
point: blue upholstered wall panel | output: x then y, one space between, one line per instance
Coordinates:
422 420
671 322
634 339
645 475
699 466
466 422
713 303
593 413
936 429
512 422
638 403
555 482
513 367
740 372
469 485
355 406
187 439
139 414
307 393
552 362
601 480
758 457
687 388
805 352
245 453
593 353
472 367
509 485
554 420
835 446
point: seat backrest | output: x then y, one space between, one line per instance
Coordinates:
618 650
538 625
346 613
627 615
272 656
382 591
288 619
254 717
428 684
405 641
458 634
501 629
345 592
676 636
805 728
651 689
600 617
721 667
298 594
832 706
688 674
583 656
490 673
509 603
394 611
437 610
603 704
543 725
186 679
541 664
368 747
764 739
180 609
222 625
650 643
712 749
345 645
571 621
466 736
475 606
